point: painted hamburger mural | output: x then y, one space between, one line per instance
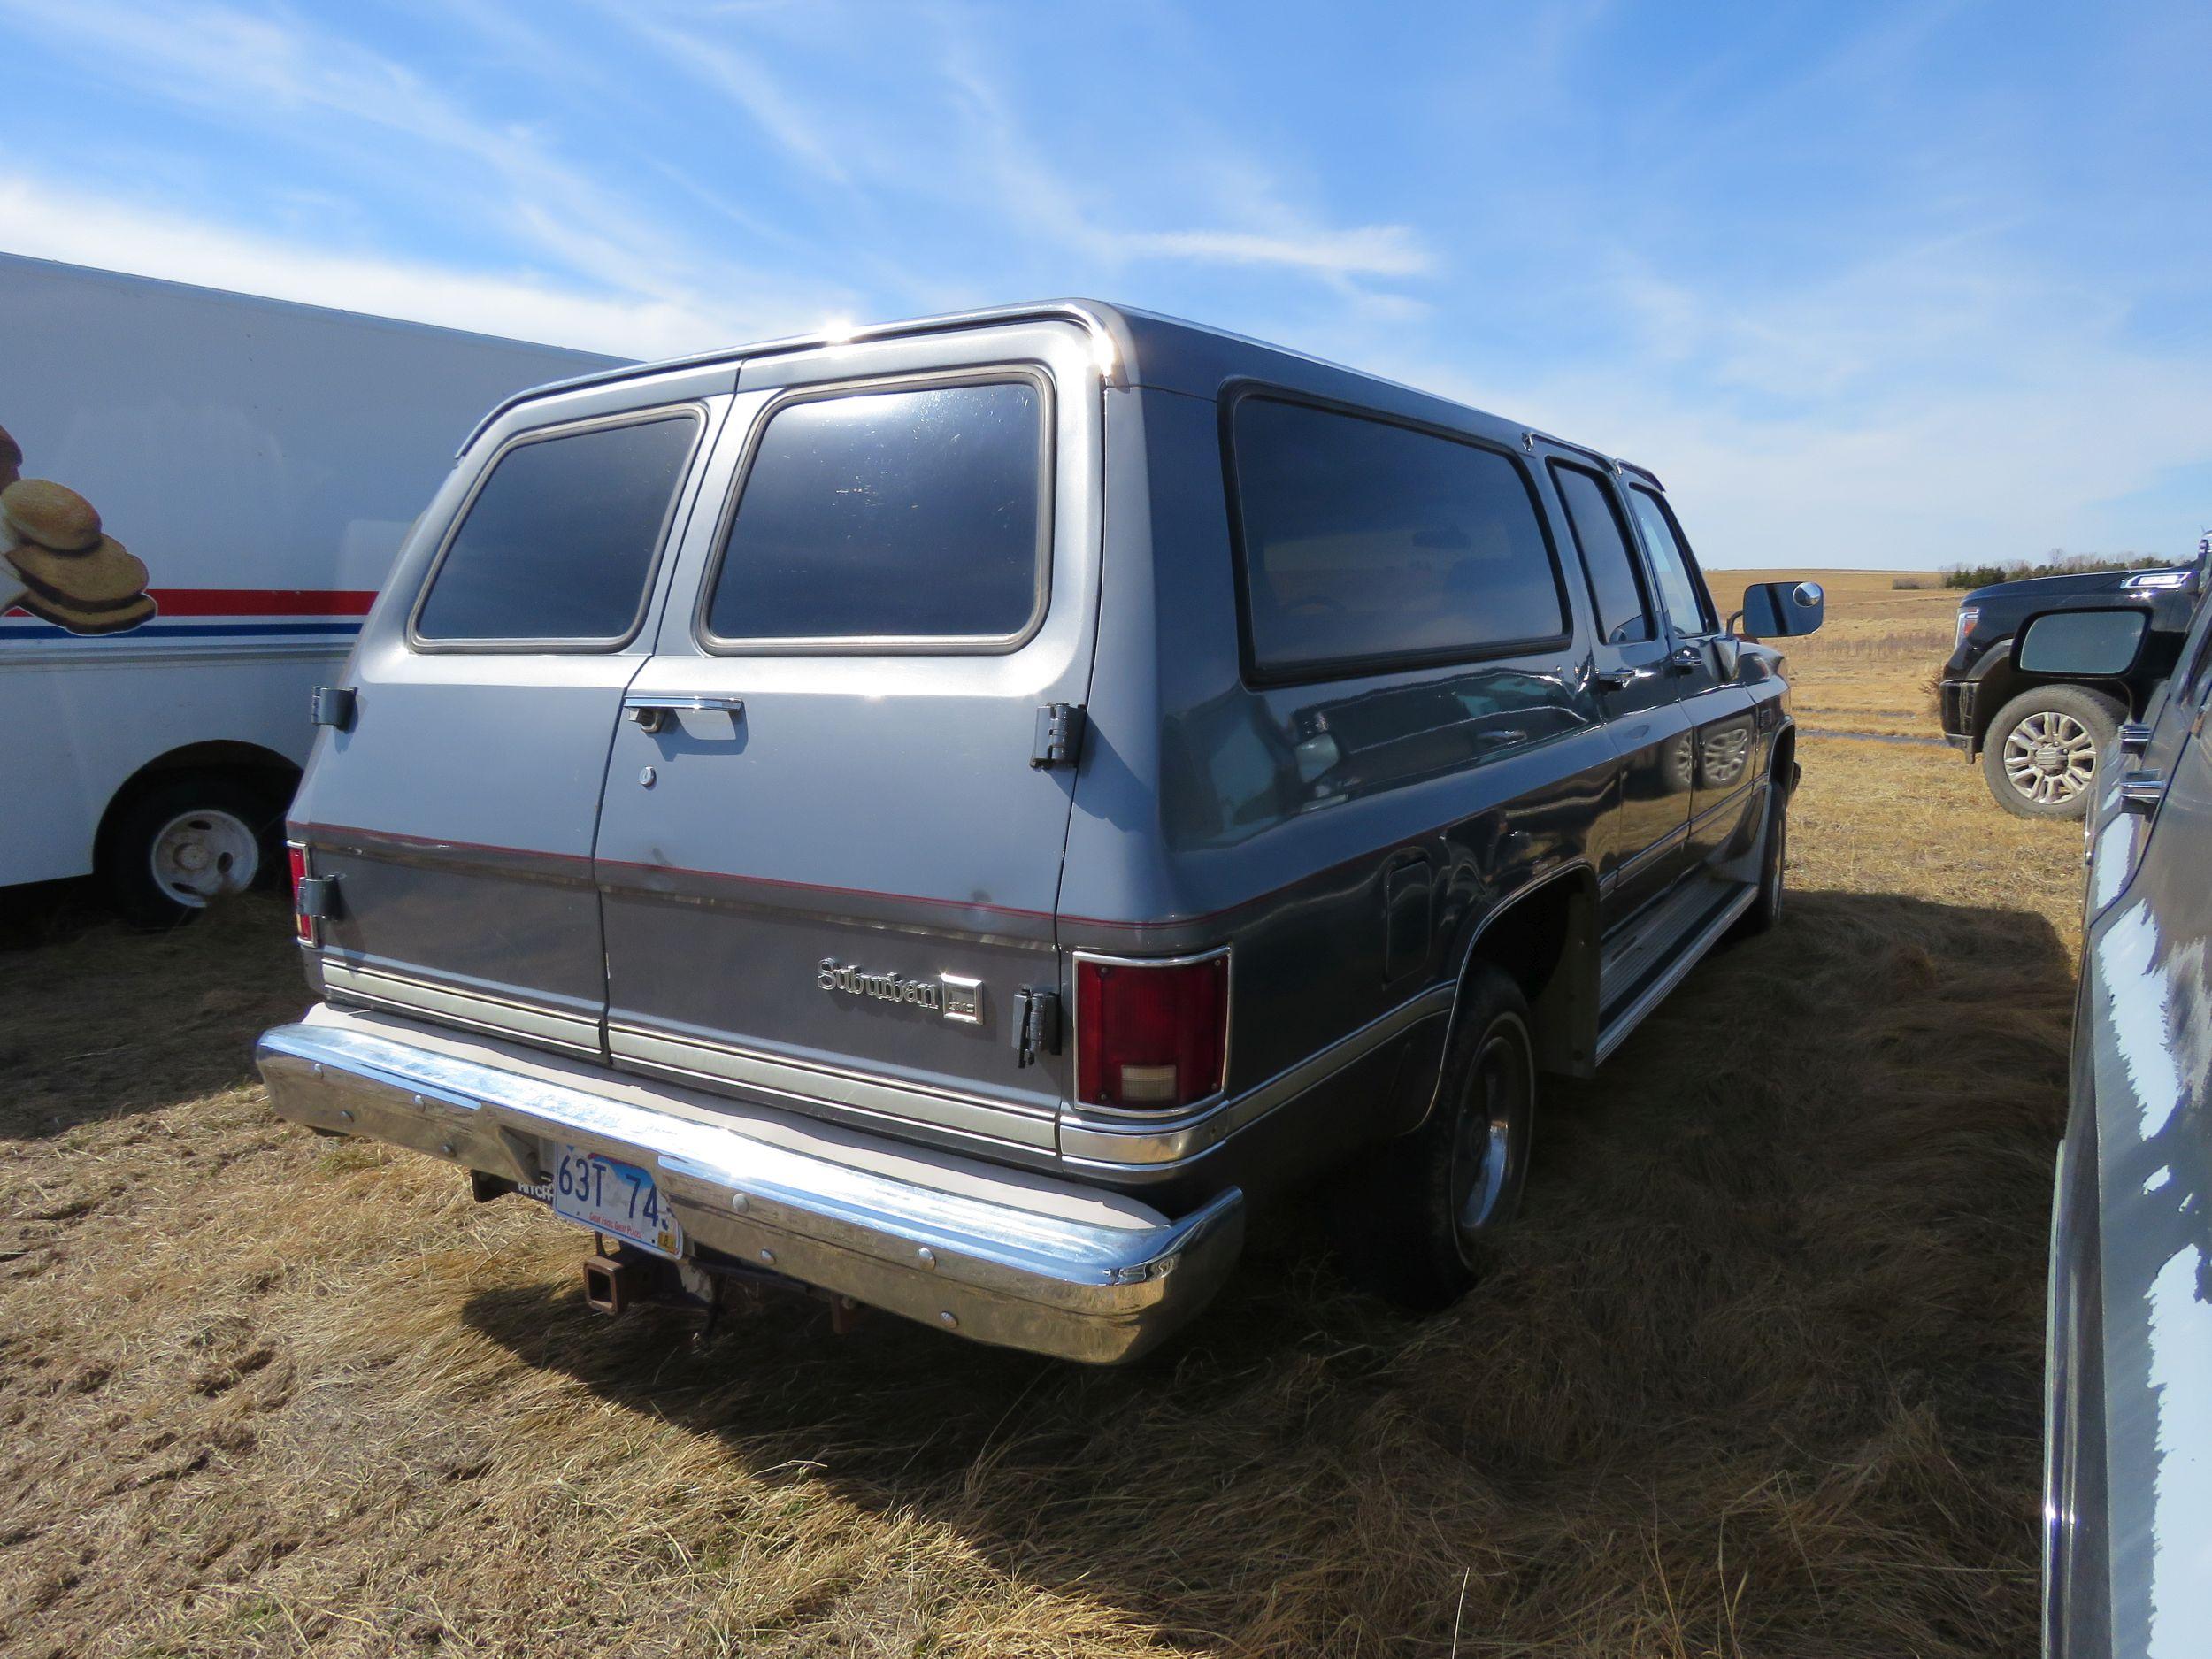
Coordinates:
57 562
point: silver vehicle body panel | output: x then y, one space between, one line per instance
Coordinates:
2127 1499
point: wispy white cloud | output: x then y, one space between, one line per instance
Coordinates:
1380 250
1928 405
68 223
729 71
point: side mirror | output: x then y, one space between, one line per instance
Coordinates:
2080 642
1782 610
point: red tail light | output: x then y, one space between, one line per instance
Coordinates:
1150 1036
302 924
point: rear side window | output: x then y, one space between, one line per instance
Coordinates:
916 513
1615 588
558 543
1364 541
1679 588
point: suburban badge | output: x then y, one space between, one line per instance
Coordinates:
949 995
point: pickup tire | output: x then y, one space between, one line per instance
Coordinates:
2039 754
1414 1224
178 842
1774 848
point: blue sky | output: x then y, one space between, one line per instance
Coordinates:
1879 285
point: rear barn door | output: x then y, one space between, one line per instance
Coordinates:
458 808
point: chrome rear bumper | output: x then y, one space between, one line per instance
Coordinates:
998 1256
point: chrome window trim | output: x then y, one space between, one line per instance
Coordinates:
1259 674
1137 1116
689 408
1036 374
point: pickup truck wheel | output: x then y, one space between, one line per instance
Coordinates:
2039 757
1416 1224
178 845
1766 908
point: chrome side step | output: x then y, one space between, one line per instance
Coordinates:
1618 1030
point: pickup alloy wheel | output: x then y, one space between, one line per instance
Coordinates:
2041 756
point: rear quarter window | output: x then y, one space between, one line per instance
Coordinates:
1364 544
558 545
913 516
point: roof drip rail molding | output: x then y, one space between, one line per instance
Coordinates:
1533 437
1109 349
1612 463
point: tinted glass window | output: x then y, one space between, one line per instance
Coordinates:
1363 539
559 543
1615 586
913 514
1679 588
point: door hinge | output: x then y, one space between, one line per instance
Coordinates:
2141 791
316 897
1059 735
332 705
1036 1024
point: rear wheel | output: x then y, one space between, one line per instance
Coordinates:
2039 757
180 843
1415 1223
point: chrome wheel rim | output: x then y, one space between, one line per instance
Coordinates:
2050 758
199 857
1489 1141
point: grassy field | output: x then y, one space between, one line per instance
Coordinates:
1758 1375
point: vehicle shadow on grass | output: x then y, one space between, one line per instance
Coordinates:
100 1021
1759 1369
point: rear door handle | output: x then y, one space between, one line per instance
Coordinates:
651 710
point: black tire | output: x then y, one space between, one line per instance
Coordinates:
1766 908
2033 753
1414 1222
233 826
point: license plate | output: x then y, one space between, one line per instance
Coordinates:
609 1196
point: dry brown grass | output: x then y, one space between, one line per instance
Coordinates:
1758 1375
1872 667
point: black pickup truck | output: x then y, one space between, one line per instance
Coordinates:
2037 703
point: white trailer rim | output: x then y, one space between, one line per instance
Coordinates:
201 854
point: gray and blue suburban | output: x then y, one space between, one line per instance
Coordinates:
950 817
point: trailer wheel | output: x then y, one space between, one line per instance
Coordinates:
184 841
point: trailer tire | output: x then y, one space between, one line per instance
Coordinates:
183 839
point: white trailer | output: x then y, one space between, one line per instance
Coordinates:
252 466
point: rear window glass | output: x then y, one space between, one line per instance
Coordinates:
559 543
916 513
1364 542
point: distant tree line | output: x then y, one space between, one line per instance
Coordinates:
2057 562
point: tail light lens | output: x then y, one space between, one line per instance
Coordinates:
1150 1036
303 925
